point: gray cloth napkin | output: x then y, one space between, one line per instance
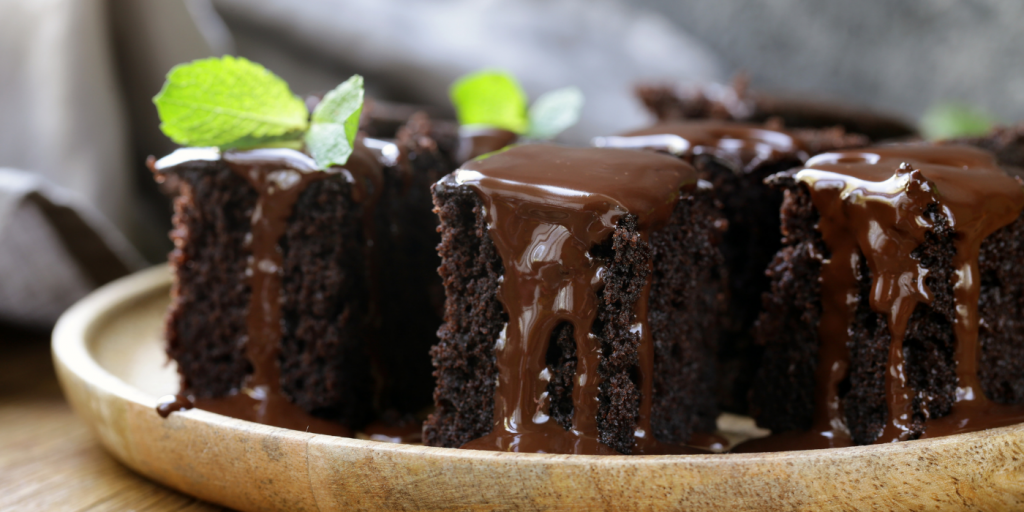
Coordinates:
76 122
54 248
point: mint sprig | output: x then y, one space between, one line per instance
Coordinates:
232 103
492 98
335 122
554 112
949 120
495 99
228 102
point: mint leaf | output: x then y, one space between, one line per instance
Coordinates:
554 111
948 120
332 133
492 98
228 102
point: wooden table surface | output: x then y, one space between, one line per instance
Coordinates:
49 460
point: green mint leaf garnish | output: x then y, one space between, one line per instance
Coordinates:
228 102
949 120
554 112
332 132
492 98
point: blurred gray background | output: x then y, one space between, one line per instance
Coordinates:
77 76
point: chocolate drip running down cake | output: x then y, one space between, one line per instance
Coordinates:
412 297
736 158
582 290
281 311
271 299
360 300
896 303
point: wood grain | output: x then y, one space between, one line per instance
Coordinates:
49 460
255 467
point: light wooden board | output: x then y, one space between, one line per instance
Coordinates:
107 354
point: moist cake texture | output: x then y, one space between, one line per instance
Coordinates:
351 299
736 158
269 314
301 291
894 305
582 289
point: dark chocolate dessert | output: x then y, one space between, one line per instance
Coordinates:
348 323
736 158
274 284
896 301
305 282
582 295
738 103
412 294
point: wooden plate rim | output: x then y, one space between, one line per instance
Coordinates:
77 367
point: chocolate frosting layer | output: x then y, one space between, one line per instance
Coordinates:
279 176
547 207
872 206
746 146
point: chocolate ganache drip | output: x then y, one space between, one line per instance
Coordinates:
546 208
279 176
872 207
745 146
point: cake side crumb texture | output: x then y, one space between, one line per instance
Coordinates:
463 358
324 356
206 324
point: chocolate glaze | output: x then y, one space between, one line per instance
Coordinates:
173 403
871 205
279 176
476 140
547 206
745 146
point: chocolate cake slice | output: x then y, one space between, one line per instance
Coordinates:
582 294
360 297
895 302
737 102
736 158
271 315
412 294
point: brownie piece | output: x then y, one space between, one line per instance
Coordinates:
319 290
737 102
683 265
736 158
411 293
788 387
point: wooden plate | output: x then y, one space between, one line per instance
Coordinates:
110 363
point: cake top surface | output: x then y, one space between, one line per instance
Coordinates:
636 182
362 163
967 181
878 206
547 207
746 144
